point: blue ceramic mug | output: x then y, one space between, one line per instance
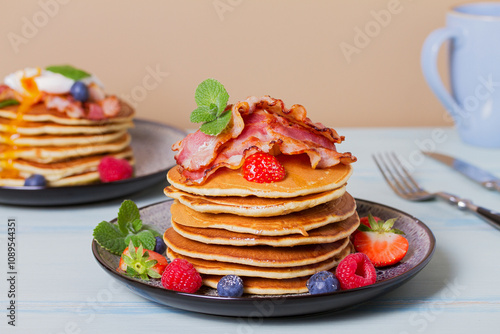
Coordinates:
473 32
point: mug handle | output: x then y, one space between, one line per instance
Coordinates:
428 60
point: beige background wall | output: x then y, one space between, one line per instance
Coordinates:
287 49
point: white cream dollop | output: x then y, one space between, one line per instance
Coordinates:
46 81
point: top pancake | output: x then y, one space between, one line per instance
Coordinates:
39 113
300 180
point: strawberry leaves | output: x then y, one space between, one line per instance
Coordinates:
211 98
380 226
139 264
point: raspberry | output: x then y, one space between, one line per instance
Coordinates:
355 270
112 169
180 275
263 168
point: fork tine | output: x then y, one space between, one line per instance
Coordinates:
396 165
414 183
389 176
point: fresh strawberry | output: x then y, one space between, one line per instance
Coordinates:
354 271
142 263
181 275
383 244
113 169
263 168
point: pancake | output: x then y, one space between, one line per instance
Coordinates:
225 268
252 206
300 180
35 129
50 154
326 234
259 256
293 223
54 171
39 113
66 140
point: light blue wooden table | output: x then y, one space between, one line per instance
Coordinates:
61 289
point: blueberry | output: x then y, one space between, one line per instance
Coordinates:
230 286
322 282
35 180
160 246
79 91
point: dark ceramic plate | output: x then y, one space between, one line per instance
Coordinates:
421 239
151 143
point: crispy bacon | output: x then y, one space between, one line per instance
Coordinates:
96 93
268 126
7 93
65 104
105 108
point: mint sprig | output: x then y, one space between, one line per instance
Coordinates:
211 98
129 228
9 102
69 72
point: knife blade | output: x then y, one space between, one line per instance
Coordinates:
486 179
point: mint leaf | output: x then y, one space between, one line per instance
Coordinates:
9 102
216 126
147 239
203 114
137 225
109 237
69 72
211 98
211 91
127 213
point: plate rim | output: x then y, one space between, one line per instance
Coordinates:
381 284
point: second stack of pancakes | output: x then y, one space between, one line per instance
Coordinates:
273 235
65 150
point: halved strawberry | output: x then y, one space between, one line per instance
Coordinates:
142 263
263 168
382 244
366 220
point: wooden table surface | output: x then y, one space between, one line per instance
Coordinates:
61 289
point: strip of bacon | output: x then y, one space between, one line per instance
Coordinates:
267 125
67 105
7 93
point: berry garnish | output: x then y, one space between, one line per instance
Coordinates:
355 270
35 180
322 282
79 91
180 275
112 169
142 263
160 246
263 168
382 244
230 286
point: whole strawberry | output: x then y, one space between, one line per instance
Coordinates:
354 271
141 263
180 275
113 169
383 244
263 168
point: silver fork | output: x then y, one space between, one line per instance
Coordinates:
400 180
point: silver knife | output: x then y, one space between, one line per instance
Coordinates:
474 173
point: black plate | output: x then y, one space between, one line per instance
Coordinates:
151 143
422 244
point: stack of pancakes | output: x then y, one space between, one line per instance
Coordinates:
65 150
273 235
